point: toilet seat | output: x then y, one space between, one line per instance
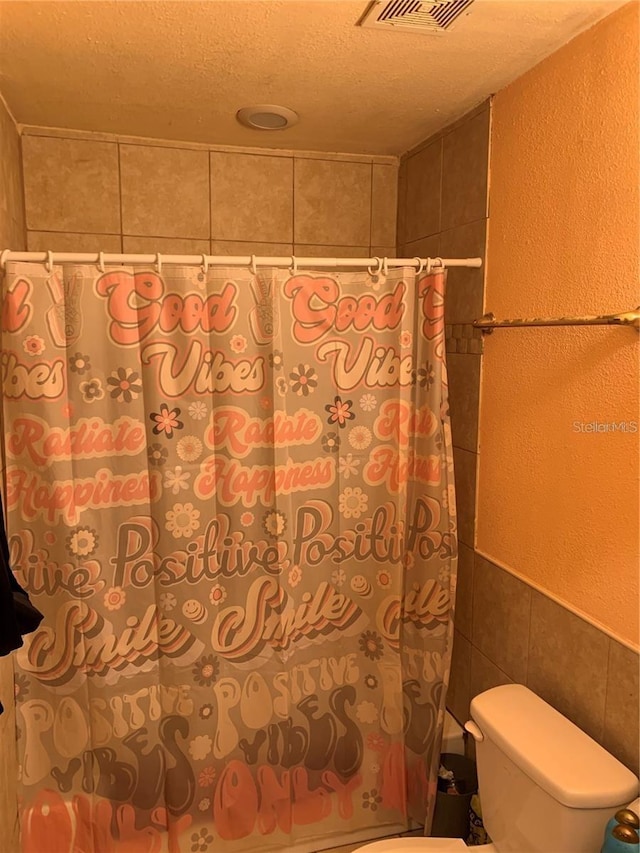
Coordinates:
414 845
420 845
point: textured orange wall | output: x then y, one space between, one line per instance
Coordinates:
559 507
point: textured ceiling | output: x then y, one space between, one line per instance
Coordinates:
181 70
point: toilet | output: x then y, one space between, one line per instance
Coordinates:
545 786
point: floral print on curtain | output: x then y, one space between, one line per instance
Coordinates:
231 496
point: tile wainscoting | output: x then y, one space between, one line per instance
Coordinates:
507 631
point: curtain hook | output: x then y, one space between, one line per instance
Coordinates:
3 258
293 269
385 267
428 266
371 271
205 265
159 263
252 265
101 261
49 263
420 262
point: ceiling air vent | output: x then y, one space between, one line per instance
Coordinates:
434 16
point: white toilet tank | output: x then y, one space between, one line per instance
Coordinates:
545 786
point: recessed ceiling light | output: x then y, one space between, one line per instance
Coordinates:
267 117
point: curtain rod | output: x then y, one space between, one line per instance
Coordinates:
252 261
628 318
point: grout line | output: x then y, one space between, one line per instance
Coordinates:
210 194
371 211
293 204
80 233
457 446
418 239
193 240
120 201
5 104
489 149
464 224
440 190
529 635
606 692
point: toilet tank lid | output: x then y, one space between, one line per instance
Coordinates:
557 755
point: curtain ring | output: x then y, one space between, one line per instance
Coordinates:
49 263
158 263
252 265
385 267
205 265
428 266
3 258
101 261
420 262
293 269
440 263
371 271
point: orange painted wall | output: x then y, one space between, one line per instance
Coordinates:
557 506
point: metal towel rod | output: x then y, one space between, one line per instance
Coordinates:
488 322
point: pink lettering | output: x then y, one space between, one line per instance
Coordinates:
137 304
318 308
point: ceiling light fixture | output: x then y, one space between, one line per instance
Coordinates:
267 117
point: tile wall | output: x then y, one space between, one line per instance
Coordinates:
506 630
443 211
12 234
90 192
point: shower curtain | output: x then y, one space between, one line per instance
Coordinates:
231 496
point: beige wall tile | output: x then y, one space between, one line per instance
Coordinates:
464 395
465 163
422 213
165 192
332 203
384 204
501 609
67 241
165 245
383 252
484 674
250 247
12 226
465 287
451 126
251 197
464 463
311 251
464 591
11 185
425 247
71 185
622 714
401 214
12 233
458 695
320 251
568 664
